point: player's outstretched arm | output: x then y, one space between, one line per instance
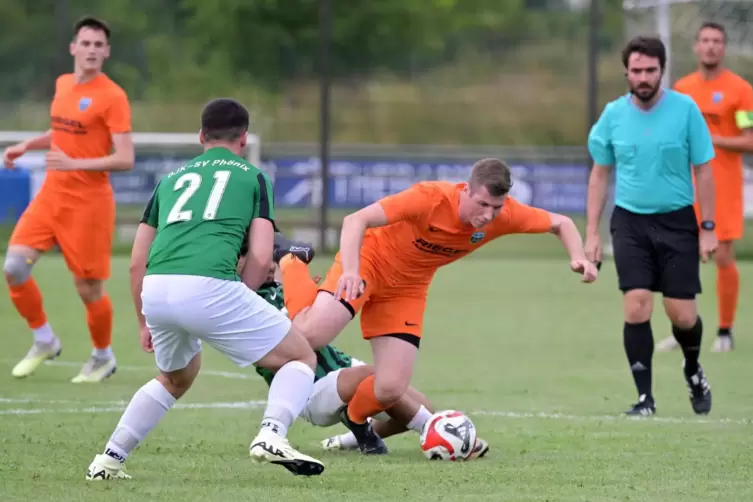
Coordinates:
41 142
354 227
564 228
259 257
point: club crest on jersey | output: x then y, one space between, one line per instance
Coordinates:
477 237
84 103
717 97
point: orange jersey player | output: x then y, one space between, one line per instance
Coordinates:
90 136
726 101
389 253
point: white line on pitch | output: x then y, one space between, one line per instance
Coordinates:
245 405
611 418
239 405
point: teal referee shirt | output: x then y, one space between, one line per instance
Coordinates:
652 151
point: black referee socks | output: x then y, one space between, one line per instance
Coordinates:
639 347
690 341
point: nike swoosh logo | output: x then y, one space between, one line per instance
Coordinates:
411 324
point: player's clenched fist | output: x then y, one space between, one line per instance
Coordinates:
145 337
56 160
349 287
12 153
586 268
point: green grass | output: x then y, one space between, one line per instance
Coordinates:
531 354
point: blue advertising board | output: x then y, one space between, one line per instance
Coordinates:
355 183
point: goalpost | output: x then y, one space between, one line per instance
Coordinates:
152 142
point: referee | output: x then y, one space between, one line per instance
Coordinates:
652 136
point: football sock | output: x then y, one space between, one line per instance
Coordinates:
146 409
690 342
419 420
289 392
639 347
300 289
44 334
727 292
99 319
364 403
348 440
28 301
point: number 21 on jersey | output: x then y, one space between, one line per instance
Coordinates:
190 183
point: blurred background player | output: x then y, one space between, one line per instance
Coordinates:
389 253
337 377
726 101
90 136
655 235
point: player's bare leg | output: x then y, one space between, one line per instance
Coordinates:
393 361
293 362
146 409
687 328
25 295
727 293
101 364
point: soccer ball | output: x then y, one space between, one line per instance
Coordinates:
448 435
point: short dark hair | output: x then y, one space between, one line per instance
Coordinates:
713 25
93 23
224 119
492 174
652 47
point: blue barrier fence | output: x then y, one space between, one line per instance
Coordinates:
353 183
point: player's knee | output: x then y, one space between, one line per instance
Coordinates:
682 313
89 290
724 256
17 268
388 389
637 306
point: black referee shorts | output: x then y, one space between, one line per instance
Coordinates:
658 252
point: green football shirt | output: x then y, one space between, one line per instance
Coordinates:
202 213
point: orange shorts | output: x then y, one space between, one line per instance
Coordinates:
83 231
385 309
730 208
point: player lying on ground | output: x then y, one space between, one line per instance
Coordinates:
389 252
337 377
89 136
186 291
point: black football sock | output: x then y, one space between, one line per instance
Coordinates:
725 332
639 347
690 341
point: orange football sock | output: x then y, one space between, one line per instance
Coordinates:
727 292
364 403
28 301
99 319
298 287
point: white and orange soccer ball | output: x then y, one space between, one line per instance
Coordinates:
448 435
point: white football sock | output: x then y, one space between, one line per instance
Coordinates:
348 440
419 419
44 334
289 392
104 354
146 409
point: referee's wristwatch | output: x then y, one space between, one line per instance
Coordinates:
708 225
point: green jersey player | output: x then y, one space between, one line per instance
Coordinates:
337 377
186 291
